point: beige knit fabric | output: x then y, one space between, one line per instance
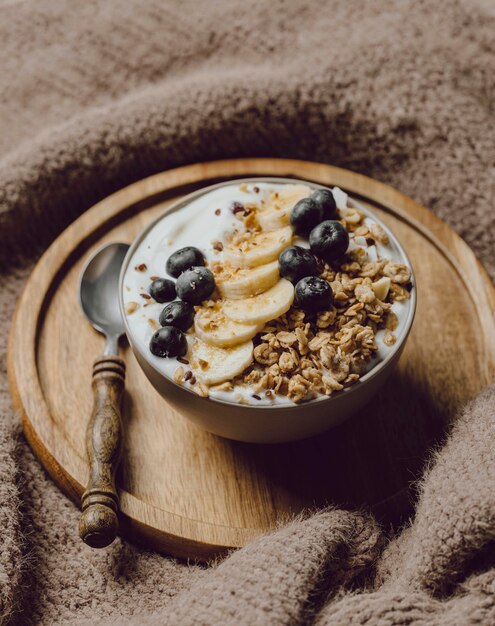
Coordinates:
94 95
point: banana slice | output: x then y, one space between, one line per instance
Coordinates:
236 284
259 249
262 308
277 213
214 365
216 329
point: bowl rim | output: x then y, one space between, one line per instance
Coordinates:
367 378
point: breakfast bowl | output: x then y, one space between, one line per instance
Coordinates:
267 310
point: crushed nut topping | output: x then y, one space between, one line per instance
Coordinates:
179 374
131 307
389 338
378 234
301 356
201 389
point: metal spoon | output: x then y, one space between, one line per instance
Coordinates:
98 292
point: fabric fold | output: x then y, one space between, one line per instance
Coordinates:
455 515
95 95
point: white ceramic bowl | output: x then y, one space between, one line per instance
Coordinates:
277 423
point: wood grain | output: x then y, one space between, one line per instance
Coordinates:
189 493
98 524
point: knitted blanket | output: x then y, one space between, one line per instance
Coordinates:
95 95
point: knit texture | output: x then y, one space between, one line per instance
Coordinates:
95 95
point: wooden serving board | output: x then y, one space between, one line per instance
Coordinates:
191 494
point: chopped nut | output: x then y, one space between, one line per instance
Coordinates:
250 221
217 245
240 399
379 234
351 379
362 231
392 321
389 338
131 307
217 268
226 386
398 293
142 267
350 216
179 374
201 389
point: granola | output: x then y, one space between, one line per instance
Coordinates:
301 356
239 344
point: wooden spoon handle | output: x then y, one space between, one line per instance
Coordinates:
98 524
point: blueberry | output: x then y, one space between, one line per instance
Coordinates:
325 200
168 341
305 215
162 290
179 314
313 294
329 240
195 285
296 262
183 259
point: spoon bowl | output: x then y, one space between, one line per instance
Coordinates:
99 293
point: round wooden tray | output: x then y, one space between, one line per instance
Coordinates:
191 494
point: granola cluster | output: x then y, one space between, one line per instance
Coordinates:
301 356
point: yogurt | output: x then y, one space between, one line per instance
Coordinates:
204 222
